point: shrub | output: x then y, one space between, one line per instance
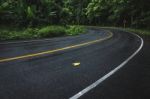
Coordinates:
75 30
45 32
31 33
15 35
4 35
52 31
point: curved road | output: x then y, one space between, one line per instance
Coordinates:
44 69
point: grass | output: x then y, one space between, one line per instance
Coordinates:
36 33
139 31
145 32
52 31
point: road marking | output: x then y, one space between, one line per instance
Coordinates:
56 50
90 87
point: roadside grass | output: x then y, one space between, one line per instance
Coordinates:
8 33
42 32
139 31
145 32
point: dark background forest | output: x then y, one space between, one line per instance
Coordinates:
135 13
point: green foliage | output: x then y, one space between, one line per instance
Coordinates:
4 35
75 30
63 12
139 31
16 35
44 32
30 13
145 32
51 31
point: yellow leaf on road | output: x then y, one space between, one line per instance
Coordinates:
76 64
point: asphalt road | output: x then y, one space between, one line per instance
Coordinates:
52 75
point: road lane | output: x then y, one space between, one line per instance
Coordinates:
56 50
53 76
105 77
131 82
22 48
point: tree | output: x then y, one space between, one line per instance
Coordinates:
93 12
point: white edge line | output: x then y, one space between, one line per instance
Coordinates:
90 87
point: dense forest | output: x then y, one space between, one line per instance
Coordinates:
136 13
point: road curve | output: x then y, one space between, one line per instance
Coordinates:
52 75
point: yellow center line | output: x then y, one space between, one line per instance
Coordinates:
56 50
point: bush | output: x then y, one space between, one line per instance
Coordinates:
31 33
52 31
75 30
45 32
4 35
15 35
